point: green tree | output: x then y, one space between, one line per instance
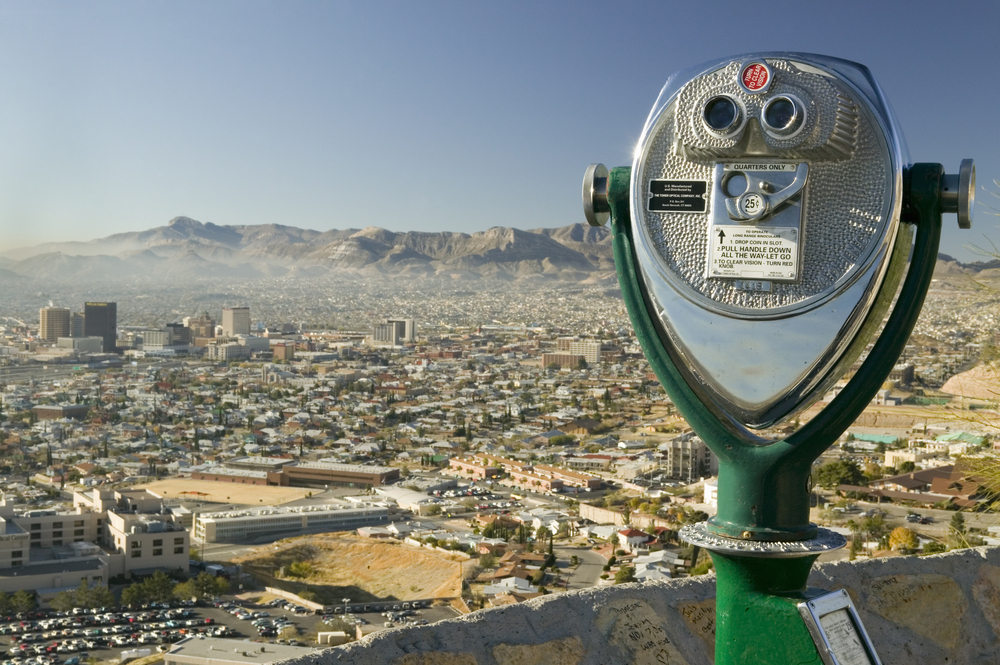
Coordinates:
957 531
205 585
64 601
159 587
301 569
933 547
625 574
957 525
874 528
182 591
82 595
101 596
24 601
134 594
906 467
841 472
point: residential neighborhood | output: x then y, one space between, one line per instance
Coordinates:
544 461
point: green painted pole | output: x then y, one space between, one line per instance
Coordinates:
756 611
764 489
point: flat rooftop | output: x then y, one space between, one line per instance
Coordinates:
346 468
60 566
217 649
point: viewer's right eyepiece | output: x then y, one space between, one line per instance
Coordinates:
783 116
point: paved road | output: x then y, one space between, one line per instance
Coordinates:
587 573
896 516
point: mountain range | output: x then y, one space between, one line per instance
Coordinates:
186 248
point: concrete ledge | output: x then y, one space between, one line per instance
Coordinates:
927 610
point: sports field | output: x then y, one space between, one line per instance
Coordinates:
216 492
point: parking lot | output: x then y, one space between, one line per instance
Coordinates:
71 638
48 637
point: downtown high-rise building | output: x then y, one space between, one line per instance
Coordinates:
200 326
54 322
394 332
406 329
101 320
235 321
76 325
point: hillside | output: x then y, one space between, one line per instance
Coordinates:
187 248
383 569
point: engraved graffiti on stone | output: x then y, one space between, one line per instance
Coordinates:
700 619
636 628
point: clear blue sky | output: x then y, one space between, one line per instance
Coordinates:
118 116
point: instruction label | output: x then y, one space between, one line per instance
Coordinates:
844 640
749 252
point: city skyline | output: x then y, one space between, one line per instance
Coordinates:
122 117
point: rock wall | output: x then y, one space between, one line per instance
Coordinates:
942 609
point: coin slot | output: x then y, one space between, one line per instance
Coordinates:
735 184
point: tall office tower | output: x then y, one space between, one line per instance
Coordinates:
407 329
200 326
394 332
180 333
54 323
101 320
385 333
235 321
76 325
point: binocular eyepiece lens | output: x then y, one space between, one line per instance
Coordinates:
721 114
783 116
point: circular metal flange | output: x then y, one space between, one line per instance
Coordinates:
966 193
958 193
595 195
825 541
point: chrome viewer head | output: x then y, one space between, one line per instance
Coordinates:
766 197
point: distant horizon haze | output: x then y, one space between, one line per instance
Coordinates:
444 116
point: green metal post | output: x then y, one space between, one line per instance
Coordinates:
756 610
764 489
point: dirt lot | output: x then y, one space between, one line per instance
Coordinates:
384 569
216 492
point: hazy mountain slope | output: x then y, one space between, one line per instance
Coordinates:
186 248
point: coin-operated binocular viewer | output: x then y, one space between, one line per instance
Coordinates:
760 237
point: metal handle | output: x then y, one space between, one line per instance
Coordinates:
958 193
595 195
